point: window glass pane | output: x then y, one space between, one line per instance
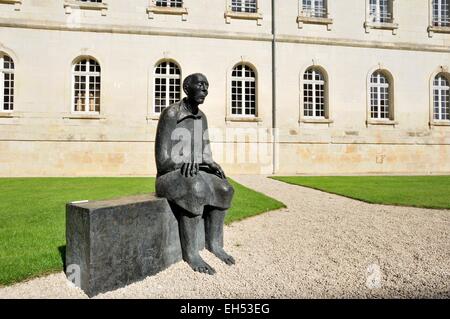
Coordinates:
380 10
167 88
244 6
314 8
441 94
243 90
313 93
379 96
441 13
8 82
87 86
170 3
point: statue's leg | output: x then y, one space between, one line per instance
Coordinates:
189 244
214 220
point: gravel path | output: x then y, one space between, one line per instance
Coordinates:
321 246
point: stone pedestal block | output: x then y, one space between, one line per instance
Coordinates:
116 242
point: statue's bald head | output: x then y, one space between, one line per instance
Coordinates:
196 87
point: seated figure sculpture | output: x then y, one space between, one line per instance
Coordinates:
195 185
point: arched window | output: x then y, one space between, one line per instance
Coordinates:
314 93
167 85
243 90
6 83
380 96
86 86
441 98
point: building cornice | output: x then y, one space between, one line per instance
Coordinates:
407 46
195 33
138 30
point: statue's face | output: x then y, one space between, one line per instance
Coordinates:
198 89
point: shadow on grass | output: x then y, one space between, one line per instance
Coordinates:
62 253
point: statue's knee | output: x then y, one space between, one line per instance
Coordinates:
198 189
227 189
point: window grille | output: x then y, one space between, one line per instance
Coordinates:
441 98
313 94
243 91
167 85
7 83
86 76
379 96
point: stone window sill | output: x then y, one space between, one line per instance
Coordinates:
152 10
314 20
435 29
244 16
9 115
75 116
154 117
316 120
381 25
381 122
69 5
440 123
16 3
242 119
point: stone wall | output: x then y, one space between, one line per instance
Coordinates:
43 138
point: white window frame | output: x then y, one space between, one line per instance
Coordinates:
440 15
244 6
314 10
380 16
441 88
305 15
372 23
153 9
378 86
314 84
169 3
432 27
3 71
243 79
88 74
168 77
230 14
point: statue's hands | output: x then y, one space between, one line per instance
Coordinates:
216 167
189 169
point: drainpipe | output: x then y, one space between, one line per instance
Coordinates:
274 94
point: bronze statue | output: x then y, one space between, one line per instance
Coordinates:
193 183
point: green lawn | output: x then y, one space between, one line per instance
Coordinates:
32 217
417 191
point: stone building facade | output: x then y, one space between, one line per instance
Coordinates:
296 86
